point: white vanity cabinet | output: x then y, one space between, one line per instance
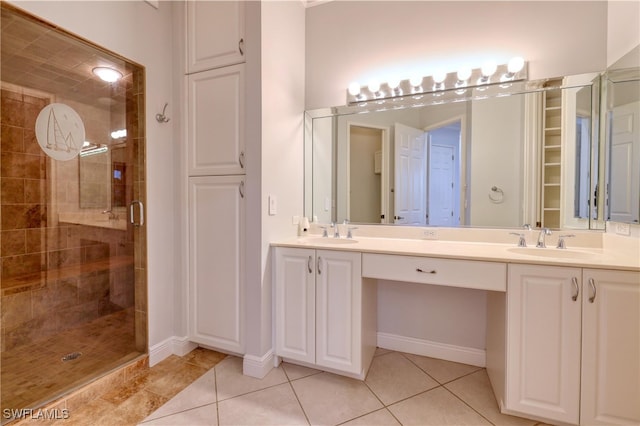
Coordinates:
215 34
573 345
319 315
216 261
543 342
610 347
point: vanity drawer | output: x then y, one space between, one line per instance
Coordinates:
436 271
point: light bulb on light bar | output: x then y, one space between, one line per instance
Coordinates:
416 80
464 74
354 89
374 86
488 68
515 64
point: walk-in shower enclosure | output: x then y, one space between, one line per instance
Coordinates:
73 294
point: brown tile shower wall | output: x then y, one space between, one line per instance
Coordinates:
54 276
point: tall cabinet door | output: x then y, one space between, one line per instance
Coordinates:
295 311
215 34
338 310
611 348
215 130
543 342
216 270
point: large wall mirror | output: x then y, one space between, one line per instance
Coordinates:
621 124
525 155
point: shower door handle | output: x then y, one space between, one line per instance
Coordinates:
141 215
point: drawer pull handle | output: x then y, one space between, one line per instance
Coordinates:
309 265
433 271
592 283
574 281
319 266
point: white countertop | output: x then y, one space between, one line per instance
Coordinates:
606 257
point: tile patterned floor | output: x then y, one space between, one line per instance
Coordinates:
127 402
400 389
104 343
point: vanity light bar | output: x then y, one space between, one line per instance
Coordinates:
440 82
94 150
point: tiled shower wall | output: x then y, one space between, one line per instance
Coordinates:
54 276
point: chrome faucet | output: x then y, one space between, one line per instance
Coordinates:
522 242
561 242
541 238
336 230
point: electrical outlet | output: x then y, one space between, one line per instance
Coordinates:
430 234
623 229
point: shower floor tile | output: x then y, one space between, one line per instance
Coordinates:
35 374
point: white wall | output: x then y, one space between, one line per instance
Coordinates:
282 65
142 34
623 29
360 40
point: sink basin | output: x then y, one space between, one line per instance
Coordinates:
552 253
328 241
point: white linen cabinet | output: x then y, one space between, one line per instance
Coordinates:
320 316
216 261
215 168
215 34
573 345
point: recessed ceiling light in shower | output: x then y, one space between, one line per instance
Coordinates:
107 74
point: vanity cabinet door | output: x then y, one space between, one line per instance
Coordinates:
216 261
338 310
543 342
295 303
215 122
610 348
215 34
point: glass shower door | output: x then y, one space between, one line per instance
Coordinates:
73 288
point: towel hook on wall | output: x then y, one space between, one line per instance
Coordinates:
161 117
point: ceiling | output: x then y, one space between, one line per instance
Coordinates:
38 56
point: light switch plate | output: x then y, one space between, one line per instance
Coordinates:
273 205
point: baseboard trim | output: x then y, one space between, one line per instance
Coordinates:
171 346
258 367
464 355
